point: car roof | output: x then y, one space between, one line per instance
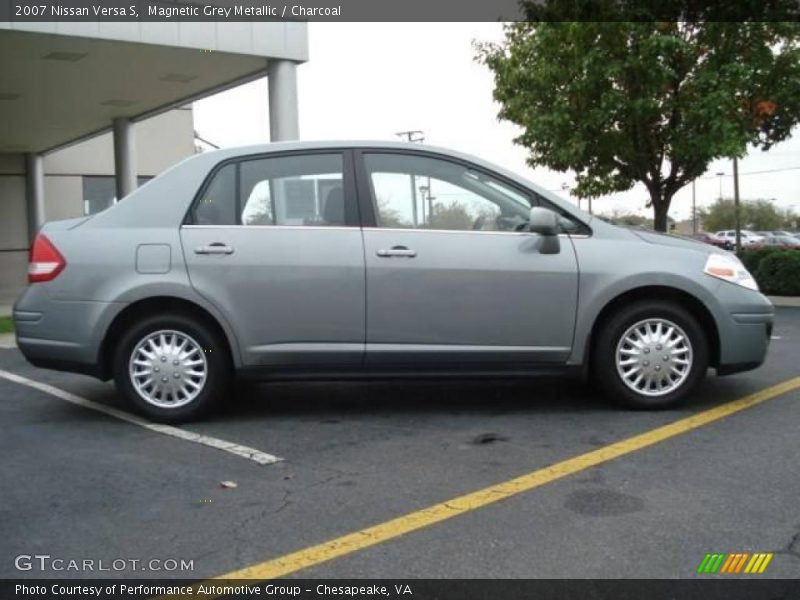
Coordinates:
149 208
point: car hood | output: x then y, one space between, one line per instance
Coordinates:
665 239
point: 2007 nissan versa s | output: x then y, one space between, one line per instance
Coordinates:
374 259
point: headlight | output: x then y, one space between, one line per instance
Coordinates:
729 268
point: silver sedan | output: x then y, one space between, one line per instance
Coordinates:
372 259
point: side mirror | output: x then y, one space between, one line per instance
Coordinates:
545 222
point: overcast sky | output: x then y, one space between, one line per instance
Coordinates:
371 80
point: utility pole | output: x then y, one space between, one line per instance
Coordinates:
694 208
736 204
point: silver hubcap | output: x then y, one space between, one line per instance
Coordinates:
654 357
168 369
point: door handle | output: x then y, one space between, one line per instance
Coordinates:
215 248
397 251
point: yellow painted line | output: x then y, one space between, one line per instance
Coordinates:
359 540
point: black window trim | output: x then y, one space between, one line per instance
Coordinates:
366 204
351 205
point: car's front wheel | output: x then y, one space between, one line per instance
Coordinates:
172 368
650 354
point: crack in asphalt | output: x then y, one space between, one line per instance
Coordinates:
240 530
284 503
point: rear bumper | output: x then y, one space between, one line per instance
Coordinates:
57 364
53 354
62 335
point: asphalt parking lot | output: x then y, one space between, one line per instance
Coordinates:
79 484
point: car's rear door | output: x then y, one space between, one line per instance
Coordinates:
274 242
451 278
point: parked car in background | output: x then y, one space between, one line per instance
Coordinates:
776 232
321 260
782 241
748 238
707 238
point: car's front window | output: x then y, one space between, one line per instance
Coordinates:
417 192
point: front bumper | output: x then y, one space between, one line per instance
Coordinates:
744 331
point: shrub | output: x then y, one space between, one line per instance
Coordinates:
752 258
779 273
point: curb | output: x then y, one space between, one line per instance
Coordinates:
7 341
785 300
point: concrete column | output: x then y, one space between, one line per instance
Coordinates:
283 121
124 157
34 193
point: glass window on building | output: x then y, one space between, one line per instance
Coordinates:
99 192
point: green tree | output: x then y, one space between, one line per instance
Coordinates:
718 216
791 220
761 215
757 215
388 216
627 219
620 102
630 220
451 216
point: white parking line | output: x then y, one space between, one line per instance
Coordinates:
261 458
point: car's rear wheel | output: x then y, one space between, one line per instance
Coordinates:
650 355
172 368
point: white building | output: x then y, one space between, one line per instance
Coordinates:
87 110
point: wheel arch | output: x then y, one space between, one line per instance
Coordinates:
690 302
154 305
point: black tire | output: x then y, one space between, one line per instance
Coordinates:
218 366
604 358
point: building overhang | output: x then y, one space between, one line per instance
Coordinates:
62 83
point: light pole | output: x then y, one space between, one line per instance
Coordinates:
566 189
414 135
736 204
720 175
694 208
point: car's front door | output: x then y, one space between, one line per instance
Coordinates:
274 243
453 279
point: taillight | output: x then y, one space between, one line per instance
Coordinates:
46 262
